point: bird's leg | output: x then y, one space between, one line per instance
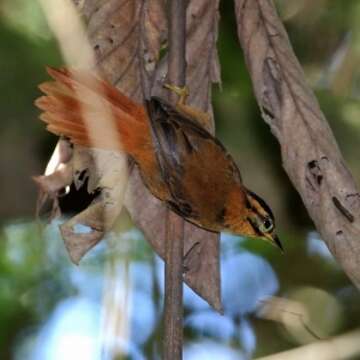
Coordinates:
201 117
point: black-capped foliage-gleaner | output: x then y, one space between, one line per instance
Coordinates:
180 162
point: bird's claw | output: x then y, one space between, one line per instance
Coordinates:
181 91
202 118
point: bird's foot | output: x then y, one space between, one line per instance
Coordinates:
202 118
181 91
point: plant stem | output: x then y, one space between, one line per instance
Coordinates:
173 317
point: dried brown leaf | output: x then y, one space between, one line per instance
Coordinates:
106 171
58 175
148 23
113 31
310 154
56 181
83 231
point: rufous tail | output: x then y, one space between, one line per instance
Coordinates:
74 94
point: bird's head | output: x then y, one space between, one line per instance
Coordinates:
255 219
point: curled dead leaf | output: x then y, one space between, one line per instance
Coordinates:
309 151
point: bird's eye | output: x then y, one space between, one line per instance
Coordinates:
266 226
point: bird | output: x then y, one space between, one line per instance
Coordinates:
180 161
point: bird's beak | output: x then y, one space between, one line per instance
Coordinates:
277 242
274 240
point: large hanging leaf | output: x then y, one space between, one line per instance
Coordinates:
310 154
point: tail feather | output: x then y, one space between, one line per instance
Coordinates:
52 87
64 112
60 127
114 96
59 103
67 127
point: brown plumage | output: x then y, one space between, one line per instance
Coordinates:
180 162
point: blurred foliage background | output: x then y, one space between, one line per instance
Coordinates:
110 307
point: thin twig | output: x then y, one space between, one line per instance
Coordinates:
173 318
176 39
175 225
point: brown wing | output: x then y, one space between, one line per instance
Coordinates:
194 164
